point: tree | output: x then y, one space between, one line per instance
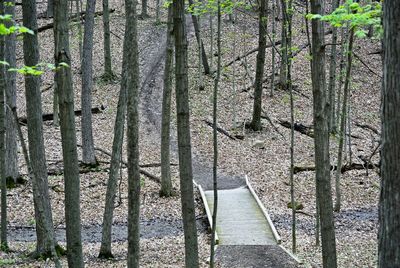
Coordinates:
131 53
321 139
166 184
215 138
45 246
3 237
68 134
144 14
389 212
50 8
88 153
11 100
108 73
262 43
183 129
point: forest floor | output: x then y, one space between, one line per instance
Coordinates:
263 156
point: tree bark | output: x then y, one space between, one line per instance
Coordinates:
183 127
166 184
262 43
389 212
3 235
131 53
108 73
68 135
50 8
88 153
321 140
11 100
44 220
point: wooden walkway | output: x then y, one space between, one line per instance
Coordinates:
243 225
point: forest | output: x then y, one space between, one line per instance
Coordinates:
200 133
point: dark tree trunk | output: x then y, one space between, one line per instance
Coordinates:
11 99
88 153
44 220
321 139
68 135
50 8
262 43
131 72
200 42
183 127
108 74
389 212
166 184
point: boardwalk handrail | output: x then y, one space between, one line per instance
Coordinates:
207 208
271 224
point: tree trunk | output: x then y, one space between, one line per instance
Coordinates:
284 56
273 52
321 140
332 75
50 8
342 132
105 249
389 213
68 135
166 184
200 42
88 153
262 43
108 74
183 128
144 14
3 236
131 53
11 99
215 138
44 220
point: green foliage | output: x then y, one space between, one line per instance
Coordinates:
6 262
211 6
355 15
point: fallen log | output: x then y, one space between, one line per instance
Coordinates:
49 117
368 127
220 130
303 129
345 168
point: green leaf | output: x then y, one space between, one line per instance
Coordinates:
4 63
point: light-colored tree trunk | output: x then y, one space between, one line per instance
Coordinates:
88 152
3 235
105 248
45 246
262 43
332 74
215 138
342 131
389 212
11 99
131 53
184 143
68 135
273 52
166 184
321 140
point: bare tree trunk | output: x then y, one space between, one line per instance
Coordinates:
284 55
50 8
45 246
215 138
11 99
144 14
332 75
166 184
68 135
273 55
262 43
108 73
200 42
132 83
105 248
3 236
88 153
321 140
183 127
389 213
342 132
